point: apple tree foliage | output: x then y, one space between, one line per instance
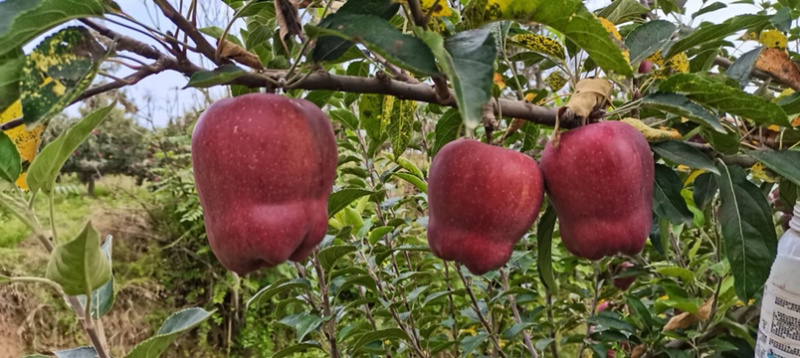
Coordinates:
401 79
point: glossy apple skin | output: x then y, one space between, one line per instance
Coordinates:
264 167
600 181
482 200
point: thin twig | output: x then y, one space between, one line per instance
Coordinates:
517 318
481 317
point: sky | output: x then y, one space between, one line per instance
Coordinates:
161 97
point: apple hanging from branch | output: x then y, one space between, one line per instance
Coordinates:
482 200
264 167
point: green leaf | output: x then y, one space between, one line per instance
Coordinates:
330 48
741 68
303 323
410 166
725 143
10 164
103 297
216 32
667 200
569 17
356 69
790 104
785 162
23 20
221 75
379 36
61 67
46 166
674 271
648 38
10 75
710 8
276 288
342 198
345 117
380 335
544 241
296 348
379 232
468 61
329 255
447 128
751 243
434 296
80 352
682 153
172 328
611 320
623 11
470 343
713 32
680 105
729 99
705 188
79 265
640 311
414 180
782 20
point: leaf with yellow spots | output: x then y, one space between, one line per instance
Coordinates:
652 134
540 44
555 80
26 141
60 68
568 17
761 172
440 8
616 38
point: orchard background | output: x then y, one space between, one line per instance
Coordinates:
125 269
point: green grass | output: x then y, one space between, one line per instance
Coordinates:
73 207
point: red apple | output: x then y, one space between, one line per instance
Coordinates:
645 66
264 167
623 283
599 179
482 200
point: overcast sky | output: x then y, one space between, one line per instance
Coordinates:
164 91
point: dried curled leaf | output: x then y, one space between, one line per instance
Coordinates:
777 63
687 319
239 54
590 95
652 134
638 351
540 44
288 20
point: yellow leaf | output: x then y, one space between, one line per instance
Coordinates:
498 80
760 172
26 141
692 176
773 38
610 28
652 134
529 97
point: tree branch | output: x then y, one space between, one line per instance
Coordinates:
183 24
725 63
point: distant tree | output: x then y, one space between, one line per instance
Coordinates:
115 147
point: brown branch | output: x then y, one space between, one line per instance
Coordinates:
416 13
183 24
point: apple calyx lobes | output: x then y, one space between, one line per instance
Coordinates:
482 200
264 167
599 179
